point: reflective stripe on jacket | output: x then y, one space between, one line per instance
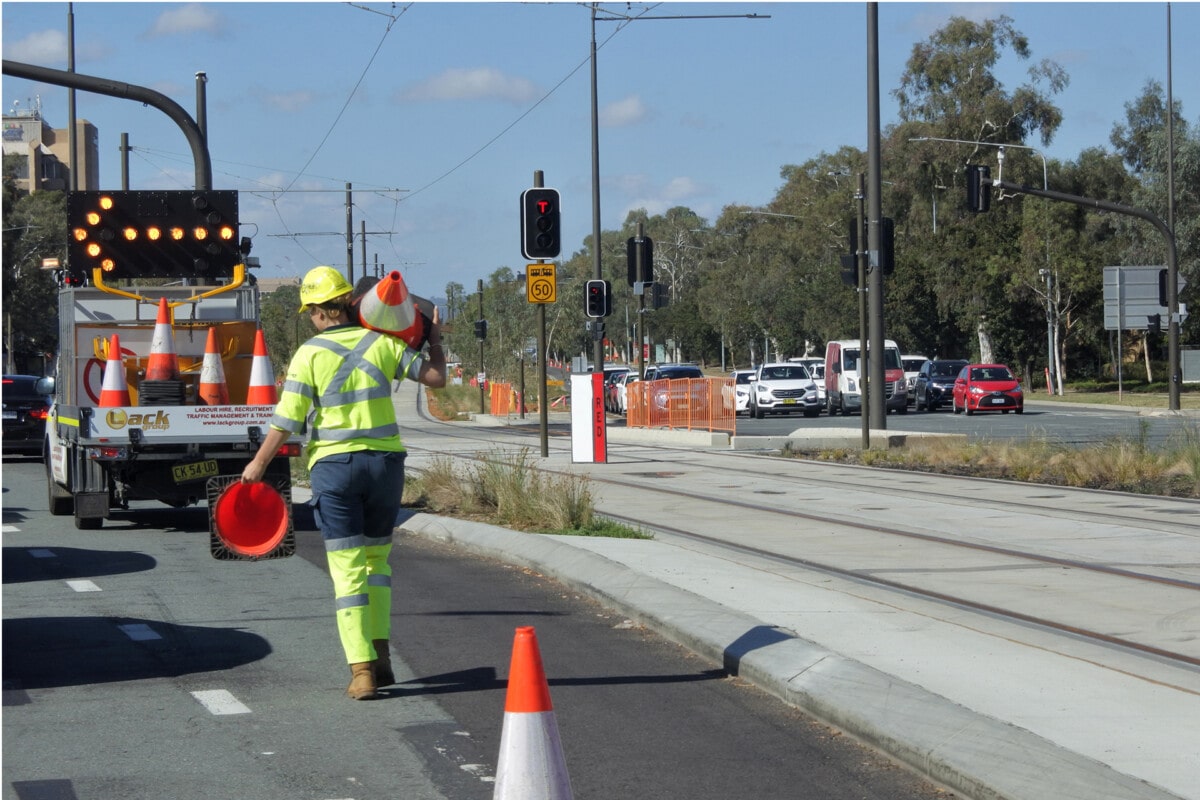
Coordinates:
344 377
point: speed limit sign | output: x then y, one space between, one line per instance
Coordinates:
540 285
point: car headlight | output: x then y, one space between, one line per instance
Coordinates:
850 387
978 390
1016 389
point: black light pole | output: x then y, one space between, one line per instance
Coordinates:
597 265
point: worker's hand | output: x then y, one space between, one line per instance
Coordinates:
253 473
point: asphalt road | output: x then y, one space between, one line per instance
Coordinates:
136 666
1068 424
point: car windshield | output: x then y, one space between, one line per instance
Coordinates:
743 377
991 374
945 370
795 372
891 359
913 364
21 387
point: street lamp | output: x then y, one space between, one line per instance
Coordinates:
597 267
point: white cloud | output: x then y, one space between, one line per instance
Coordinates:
481 83
287 102
622 113
193 18
42 48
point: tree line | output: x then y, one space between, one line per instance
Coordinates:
765 281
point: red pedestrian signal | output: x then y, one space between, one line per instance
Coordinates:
541 234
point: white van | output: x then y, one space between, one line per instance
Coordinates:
843 385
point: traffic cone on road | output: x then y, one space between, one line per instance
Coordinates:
163 364
262 377
388 308
213 389
531 764
114 391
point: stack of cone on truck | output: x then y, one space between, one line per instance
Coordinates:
163 364
213 389
531 764
262 376
115 389
387 307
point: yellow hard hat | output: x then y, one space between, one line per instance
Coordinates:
321 285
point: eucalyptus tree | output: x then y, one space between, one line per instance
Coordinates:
950 90
35 228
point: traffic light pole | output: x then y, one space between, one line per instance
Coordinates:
860 259
543 358
1173 385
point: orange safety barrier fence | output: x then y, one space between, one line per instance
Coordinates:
503 399
688 403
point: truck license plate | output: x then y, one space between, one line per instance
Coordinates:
194 471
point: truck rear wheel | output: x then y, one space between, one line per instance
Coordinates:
58 499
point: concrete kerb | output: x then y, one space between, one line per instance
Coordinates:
978 756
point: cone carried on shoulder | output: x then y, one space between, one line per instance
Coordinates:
214 391
531 764
262 377
115 389
163 364
388 308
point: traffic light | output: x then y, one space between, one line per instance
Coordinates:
636 248
596 302
1154 323
541 233
154 234
481 329
979 188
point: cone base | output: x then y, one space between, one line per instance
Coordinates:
531 764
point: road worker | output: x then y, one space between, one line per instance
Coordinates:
343 375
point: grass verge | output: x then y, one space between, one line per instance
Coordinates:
1126 464
504 488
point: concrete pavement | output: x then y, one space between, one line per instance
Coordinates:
987 716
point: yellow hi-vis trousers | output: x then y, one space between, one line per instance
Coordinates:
362 591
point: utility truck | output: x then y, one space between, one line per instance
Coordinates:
166 443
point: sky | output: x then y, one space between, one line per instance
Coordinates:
438 114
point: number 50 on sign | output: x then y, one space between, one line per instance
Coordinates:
540 285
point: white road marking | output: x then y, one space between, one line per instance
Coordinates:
139 632
220 702
83 586
10 529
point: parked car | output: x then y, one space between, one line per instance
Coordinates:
781 388
912 366
738 396
935 383
987 387
25 411
611 373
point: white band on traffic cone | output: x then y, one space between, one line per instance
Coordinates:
213 389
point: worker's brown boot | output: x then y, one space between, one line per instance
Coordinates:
362 681
383 663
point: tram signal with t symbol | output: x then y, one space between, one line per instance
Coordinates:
541 232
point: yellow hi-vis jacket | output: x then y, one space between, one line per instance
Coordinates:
344 377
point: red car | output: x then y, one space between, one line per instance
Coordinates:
987 387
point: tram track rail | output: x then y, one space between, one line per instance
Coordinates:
1111 509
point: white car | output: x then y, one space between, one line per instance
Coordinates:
816 368
912 368
782 388
621 383
741 391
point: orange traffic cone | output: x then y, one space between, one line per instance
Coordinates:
388 308
163 364
531 765
115 389
262 377
213 389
